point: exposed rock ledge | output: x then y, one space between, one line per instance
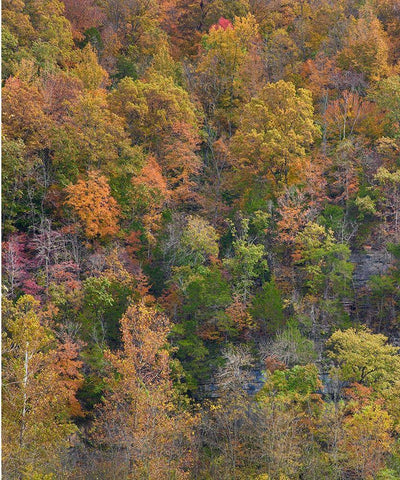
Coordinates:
369 263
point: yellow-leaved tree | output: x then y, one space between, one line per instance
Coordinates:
275 130
364 357
228 71
161 117
40 378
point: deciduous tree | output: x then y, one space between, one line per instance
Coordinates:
364 357
275 130
92 202
161 117
41 376
138 424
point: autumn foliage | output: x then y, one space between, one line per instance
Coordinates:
201 239
92 202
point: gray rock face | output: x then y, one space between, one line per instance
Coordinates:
367 264
361 309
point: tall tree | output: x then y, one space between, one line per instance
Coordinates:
221 81
139 425
161 117
364 357
275 130
41 376
95 207
365 47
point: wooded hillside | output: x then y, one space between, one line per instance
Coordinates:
201 239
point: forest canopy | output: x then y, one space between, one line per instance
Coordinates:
201 239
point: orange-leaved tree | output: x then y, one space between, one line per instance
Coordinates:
94 205
143 433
